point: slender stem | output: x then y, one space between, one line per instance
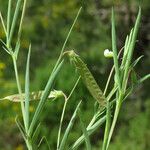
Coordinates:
19 88
60 126
29 144
66 40
107 126
8 18
22 16
63 112
117 109
108 81
3 24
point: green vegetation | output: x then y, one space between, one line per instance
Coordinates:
38 121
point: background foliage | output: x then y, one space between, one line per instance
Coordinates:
45 26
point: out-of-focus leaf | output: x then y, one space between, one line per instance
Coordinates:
33 96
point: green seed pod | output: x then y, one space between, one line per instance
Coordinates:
33 96
87 78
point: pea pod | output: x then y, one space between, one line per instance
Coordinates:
87 78
33 96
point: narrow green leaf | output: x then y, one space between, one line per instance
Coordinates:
130 50
134 79
27 89
84 130
36 133
66 40
22 16
136 62
3 24
144 78
17 48
114 48
44 97
90 131
88 78
21 128
127 44
9 18
63 112
69 127
107 126
14 21
44 139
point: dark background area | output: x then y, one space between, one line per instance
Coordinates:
46 25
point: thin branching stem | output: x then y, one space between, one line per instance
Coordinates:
63 111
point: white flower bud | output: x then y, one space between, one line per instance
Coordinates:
108 53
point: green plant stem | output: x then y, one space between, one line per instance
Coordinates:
3 24
8 18
66 40
29 144
61 121
116 113
19 88
107 126
63 112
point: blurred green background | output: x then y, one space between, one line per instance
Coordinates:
46 25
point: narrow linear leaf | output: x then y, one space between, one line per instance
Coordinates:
22 16
36 133
27 89
136 61
146 77
130 49
44 139
69 127
14 21
67 38
9 17
90 131
114 48
44 96
3 24
85 133
21 128
17 48
107 125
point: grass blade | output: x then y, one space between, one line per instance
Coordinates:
27 89
3 24
131 48
66 40
90 131
63 111
144 78
42 139
107 126
22 16
44 97
84 130
21 128
14 21
17 48
114 48
69 127
9 18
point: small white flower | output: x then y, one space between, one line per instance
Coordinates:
108 53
